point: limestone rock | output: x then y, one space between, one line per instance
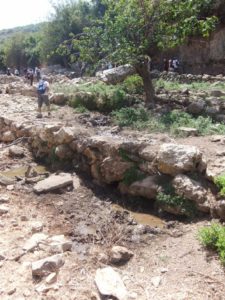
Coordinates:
63 151
192 190
8 136
53 182
120 255
34 241
4 180
65 135
36 227
196 107
58 98
219 209
16 151
4 209
148 187
48 265
188 131
115 75
109 283
59 244
113 170
174 158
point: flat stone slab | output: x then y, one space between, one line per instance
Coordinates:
53 182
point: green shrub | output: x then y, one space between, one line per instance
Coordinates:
185 206
132 175
129 116
80 109
95 96
213 237
220 183
133 85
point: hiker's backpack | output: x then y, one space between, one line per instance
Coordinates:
41 87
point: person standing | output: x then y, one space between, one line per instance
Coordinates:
42 93
37 73
165 65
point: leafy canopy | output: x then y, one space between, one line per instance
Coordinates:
130 29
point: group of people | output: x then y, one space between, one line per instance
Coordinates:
42 86
171 65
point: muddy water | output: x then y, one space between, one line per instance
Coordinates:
20 172
142 218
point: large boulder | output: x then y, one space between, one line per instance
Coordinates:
53 182
194 191
148 187
173 159
115 75
196 107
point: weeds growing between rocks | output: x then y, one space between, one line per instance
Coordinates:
213 237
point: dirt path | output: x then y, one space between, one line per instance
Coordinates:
168 263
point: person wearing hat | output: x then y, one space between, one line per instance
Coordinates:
42 92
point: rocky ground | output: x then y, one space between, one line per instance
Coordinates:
75 228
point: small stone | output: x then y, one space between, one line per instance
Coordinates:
59 244
36 227
3 209
34 241
23 218
12 291
164 270
10 187
120 255
51 278
4 199
47 265
16 151
156 281
109 283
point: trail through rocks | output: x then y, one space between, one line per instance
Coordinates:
167 263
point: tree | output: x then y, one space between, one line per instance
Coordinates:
132 30
22 50
69 19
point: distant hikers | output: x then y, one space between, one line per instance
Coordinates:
8 71
42 93
37 73
16 72
30 75
165 65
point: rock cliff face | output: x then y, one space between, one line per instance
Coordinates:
204 55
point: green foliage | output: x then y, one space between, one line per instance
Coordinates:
129 116
213 237
98 96
132 175
80 109
194 86
130 29
133 85
185 206
220 182
69 19
170 122
22 50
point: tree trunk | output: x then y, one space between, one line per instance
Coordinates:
143 69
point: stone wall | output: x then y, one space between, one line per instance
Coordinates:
139 167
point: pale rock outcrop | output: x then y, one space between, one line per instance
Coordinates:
109 283
53 182
64 135
115 75
173 159
48 265
194 191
